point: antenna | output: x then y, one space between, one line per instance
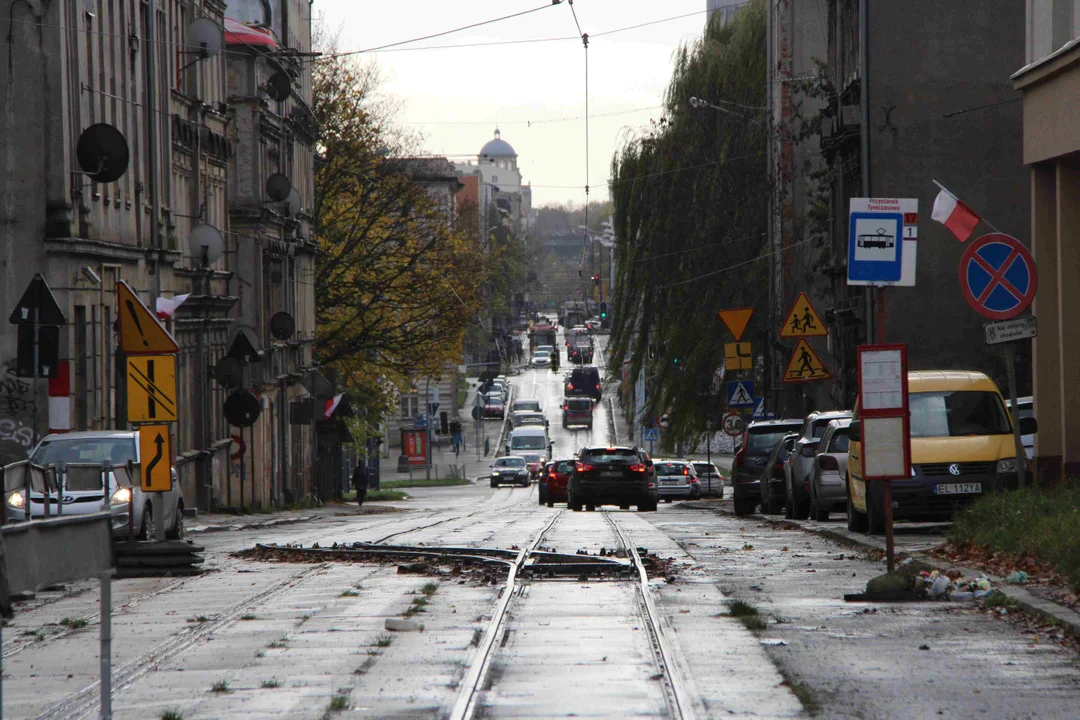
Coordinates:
102 153
207 36
279 86
278 188
205 242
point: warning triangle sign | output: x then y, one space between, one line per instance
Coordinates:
803 320
140 331
737 320
805 365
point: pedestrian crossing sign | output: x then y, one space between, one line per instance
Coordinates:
652 435
803 320
740 393
805 365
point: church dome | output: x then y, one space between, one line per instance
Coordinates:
497 148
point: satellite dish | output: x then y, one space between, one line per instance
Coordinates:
279 86
229 372
102 153
278 187
282 326
205 37
242 409
206 239
294 203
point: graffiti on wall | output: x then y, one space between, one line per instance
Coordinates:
16 413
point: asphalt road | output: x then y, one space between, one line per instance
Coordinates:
311 639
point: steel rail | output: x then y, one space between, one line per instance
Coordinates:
465 705
679 701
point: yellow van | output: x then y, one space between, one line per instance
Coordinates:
962 448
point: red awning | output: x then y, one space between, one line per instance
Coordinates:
237 33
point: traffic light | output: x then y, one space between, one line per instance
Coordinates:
603 310
675 361
596 279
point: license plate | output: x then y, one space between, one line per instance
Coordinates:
958 489
611 473
670 482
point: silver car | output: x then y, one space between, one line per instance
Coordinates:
800 463
109 448
828 481
710 478
676 479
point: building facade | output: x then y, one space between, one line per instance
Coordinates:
1049 80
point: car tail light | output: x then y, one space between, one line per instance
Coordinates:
583 467
597 386
569 386
685 470
828 462
637 467
694 481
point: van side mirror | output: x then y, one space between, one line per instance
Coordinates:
855 431
1028 426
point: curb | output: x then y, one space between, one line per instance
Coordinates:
1046 609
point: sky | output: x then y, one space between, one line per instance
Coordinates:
455 98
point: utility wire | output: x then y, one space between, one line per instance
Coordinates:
731 267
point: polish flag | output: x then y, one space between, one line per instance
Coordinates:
167 306
331 406
953 214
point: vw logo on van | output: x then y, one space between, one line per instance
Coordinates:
954 469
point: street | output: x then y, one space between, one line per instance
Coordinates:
259 637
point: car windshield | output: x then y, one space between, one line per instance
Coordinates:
541 353
565 466
614 456
819 427
510 462
527 405
582 404
763 440
494 400
705 469
95 451
959 413
530 419
545 349
839 442
670 469
527 442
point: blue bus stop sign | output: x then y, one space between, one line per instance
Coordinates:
998 276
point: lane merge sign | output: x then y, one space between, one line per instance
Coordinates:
155 458
998 276
151 388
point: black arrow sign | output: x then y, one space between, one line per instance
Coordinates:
38 297
160 442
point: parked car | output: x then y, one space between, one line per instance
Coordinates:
1027 409
961 449
494 406
584 381
522 419
530 438
622 476
800 464
712 480
110 448
524 405
541 358
828 488
757 442
771 481
554 481
577 411
502 386
509 470
676 479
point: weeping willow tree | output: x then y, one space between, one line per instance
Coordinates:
690 196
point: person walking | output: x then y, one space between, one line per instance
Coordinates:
456 439
360 481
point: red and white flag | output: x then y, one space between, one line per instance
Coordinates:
331 406
953 214
167 306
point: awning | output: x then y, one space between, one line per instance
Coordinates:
237 33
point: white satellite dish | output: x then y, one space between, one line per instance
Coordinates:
205 37
206 239
294 203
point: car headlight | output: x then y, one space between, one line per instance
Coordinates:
121 497
1007 465
16 499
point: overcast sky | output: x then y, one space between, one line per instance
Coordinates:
456 97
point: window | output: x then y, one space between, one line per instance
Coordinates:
622 456
494 178
410 406
839 442
953 414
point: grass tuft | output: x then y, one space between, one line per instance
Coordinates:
198 619
278 644
1044 524
75 624
383 640
430 588
385 496
748 615
350 593
171 715
271 684
339 703
249 616
221 686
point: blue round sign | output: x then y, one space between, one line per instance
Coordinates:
998 276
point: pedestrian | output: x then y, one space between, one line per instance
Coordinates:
456 438
487 446
360 482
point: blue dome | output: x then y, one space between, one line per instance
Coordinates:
497 148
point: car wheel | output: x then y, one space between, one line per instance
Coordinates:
667 500
875 515
856 521
646 507
801 511
541 496
177 531
768 505
148 528
816 511
571 501
494 484
550 504
590 508
743 507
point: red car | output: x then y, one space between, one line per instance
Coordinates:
553 481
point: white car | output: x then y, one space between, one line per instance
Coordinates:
541 358
109 448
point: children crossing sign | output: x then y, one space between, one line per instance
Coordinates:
805 365
803 320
